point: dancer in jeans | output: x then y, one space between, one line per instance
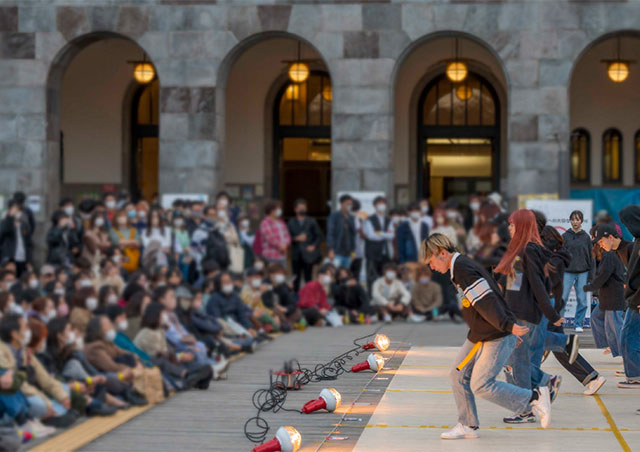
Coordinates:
490 341
578 244
630 333
523 267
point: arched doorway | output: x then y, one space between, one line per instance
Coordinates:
302 144
144 141
458 139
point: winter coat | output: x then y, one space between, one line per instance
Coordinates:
579 246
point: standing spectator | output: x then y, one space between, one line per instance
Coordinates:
274 235
59 240
228 231
76 228
156 241
124 236
389 296
410 235
223 202
15 238
578 244
313 298
359 262
246 239
110 204
378 233
341 233
96 239
442 225
20 199
306 236
425 211
426 295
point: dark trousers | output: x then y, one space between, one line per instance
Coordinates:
580 369
374 271
300 268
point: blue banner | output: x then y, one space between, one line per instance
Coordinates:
610 199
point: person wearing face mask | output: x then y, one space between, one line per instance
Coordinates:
76 227
410 235
96 239
379 233
48 399
273 235
306 236
225 304
223 202
442 225
85 301
7 280
479 234
207 243
228 230
158 233
426 295
43 308
312 299
8 304
59 240
389 296
247 239
110 204
280 298
251 295
351 300
425 212
125 236
181 241
16 238
341 233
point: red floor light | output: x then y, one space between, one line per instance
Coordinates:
381 342
374 362
287 439
329 400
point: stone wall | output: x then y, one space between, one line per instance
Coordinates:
363 45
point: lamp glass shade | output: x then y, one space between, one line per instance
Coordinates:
618 71
456 71
464 92
289 438
376 362
298 72
332 398
382 342
293 92
327 93
144 72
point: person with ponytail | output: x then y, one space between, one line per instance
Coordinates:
525 282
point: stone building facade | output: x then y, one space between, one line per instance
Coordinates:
534 46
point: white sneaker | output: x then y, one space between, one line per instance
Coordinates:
542 407
220 368
387 318
460 432
594 385
38 429
416 318
579 329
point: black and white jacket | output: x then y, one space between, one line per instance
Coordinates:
483 308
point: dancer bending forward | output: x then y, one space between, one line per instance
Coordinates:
490 342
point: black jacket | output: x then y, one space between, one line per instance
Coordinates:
527 292
309 226
8 240
484 309
609 282
350 297
579 246
630 217
58 243
624 252
559 261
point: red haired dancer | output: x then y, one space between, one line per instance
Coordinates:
524 283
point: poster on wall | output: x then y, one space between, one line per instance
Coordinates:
168 199
557 213
364 197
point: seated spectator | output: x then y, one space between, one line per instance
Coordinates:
426 295
85 301
43 308
225 305
252 292
110 276
351 299
137 282
389 296
281 298
107 296
312 300
125 236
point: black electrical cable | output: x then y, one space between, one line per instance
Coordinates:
272 399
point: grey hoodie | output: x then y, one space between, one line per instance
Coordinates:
630 217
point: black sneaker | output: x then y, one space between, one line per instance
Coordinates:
629 384
554 387
572 348
523 418
63 421
97 408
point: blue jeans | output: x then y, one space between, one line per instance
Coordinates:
478 378
579 280
606 327
38 406
630 344
525 359
343 261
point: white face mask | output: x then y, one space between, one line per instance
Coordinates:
244 224
278 213
256 283
279 278
415 216
110 205
68 210
223 202
259 265
16 309
52 314
123 325
26 338
110 335
112 299
475 206
451 214
227 288
222 214
390 275
59 291
116 259
85 283
424 210
99 222
381 208
178 222
71 338
325 280
142 214
33 283
80 343
92 303
425 280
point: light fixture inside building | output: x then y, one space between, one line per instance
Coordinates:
143 70
287 439
327 93
618 68
293 92
298 71
381 342
329 399
374 362
464 92
456 70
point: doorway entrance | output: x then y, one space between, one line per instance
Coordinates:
145 144
302 143
459 139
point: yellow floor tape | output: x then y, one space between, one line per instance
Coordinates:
612 424
445 427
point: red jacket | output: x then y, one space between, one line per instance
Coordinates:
312 295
